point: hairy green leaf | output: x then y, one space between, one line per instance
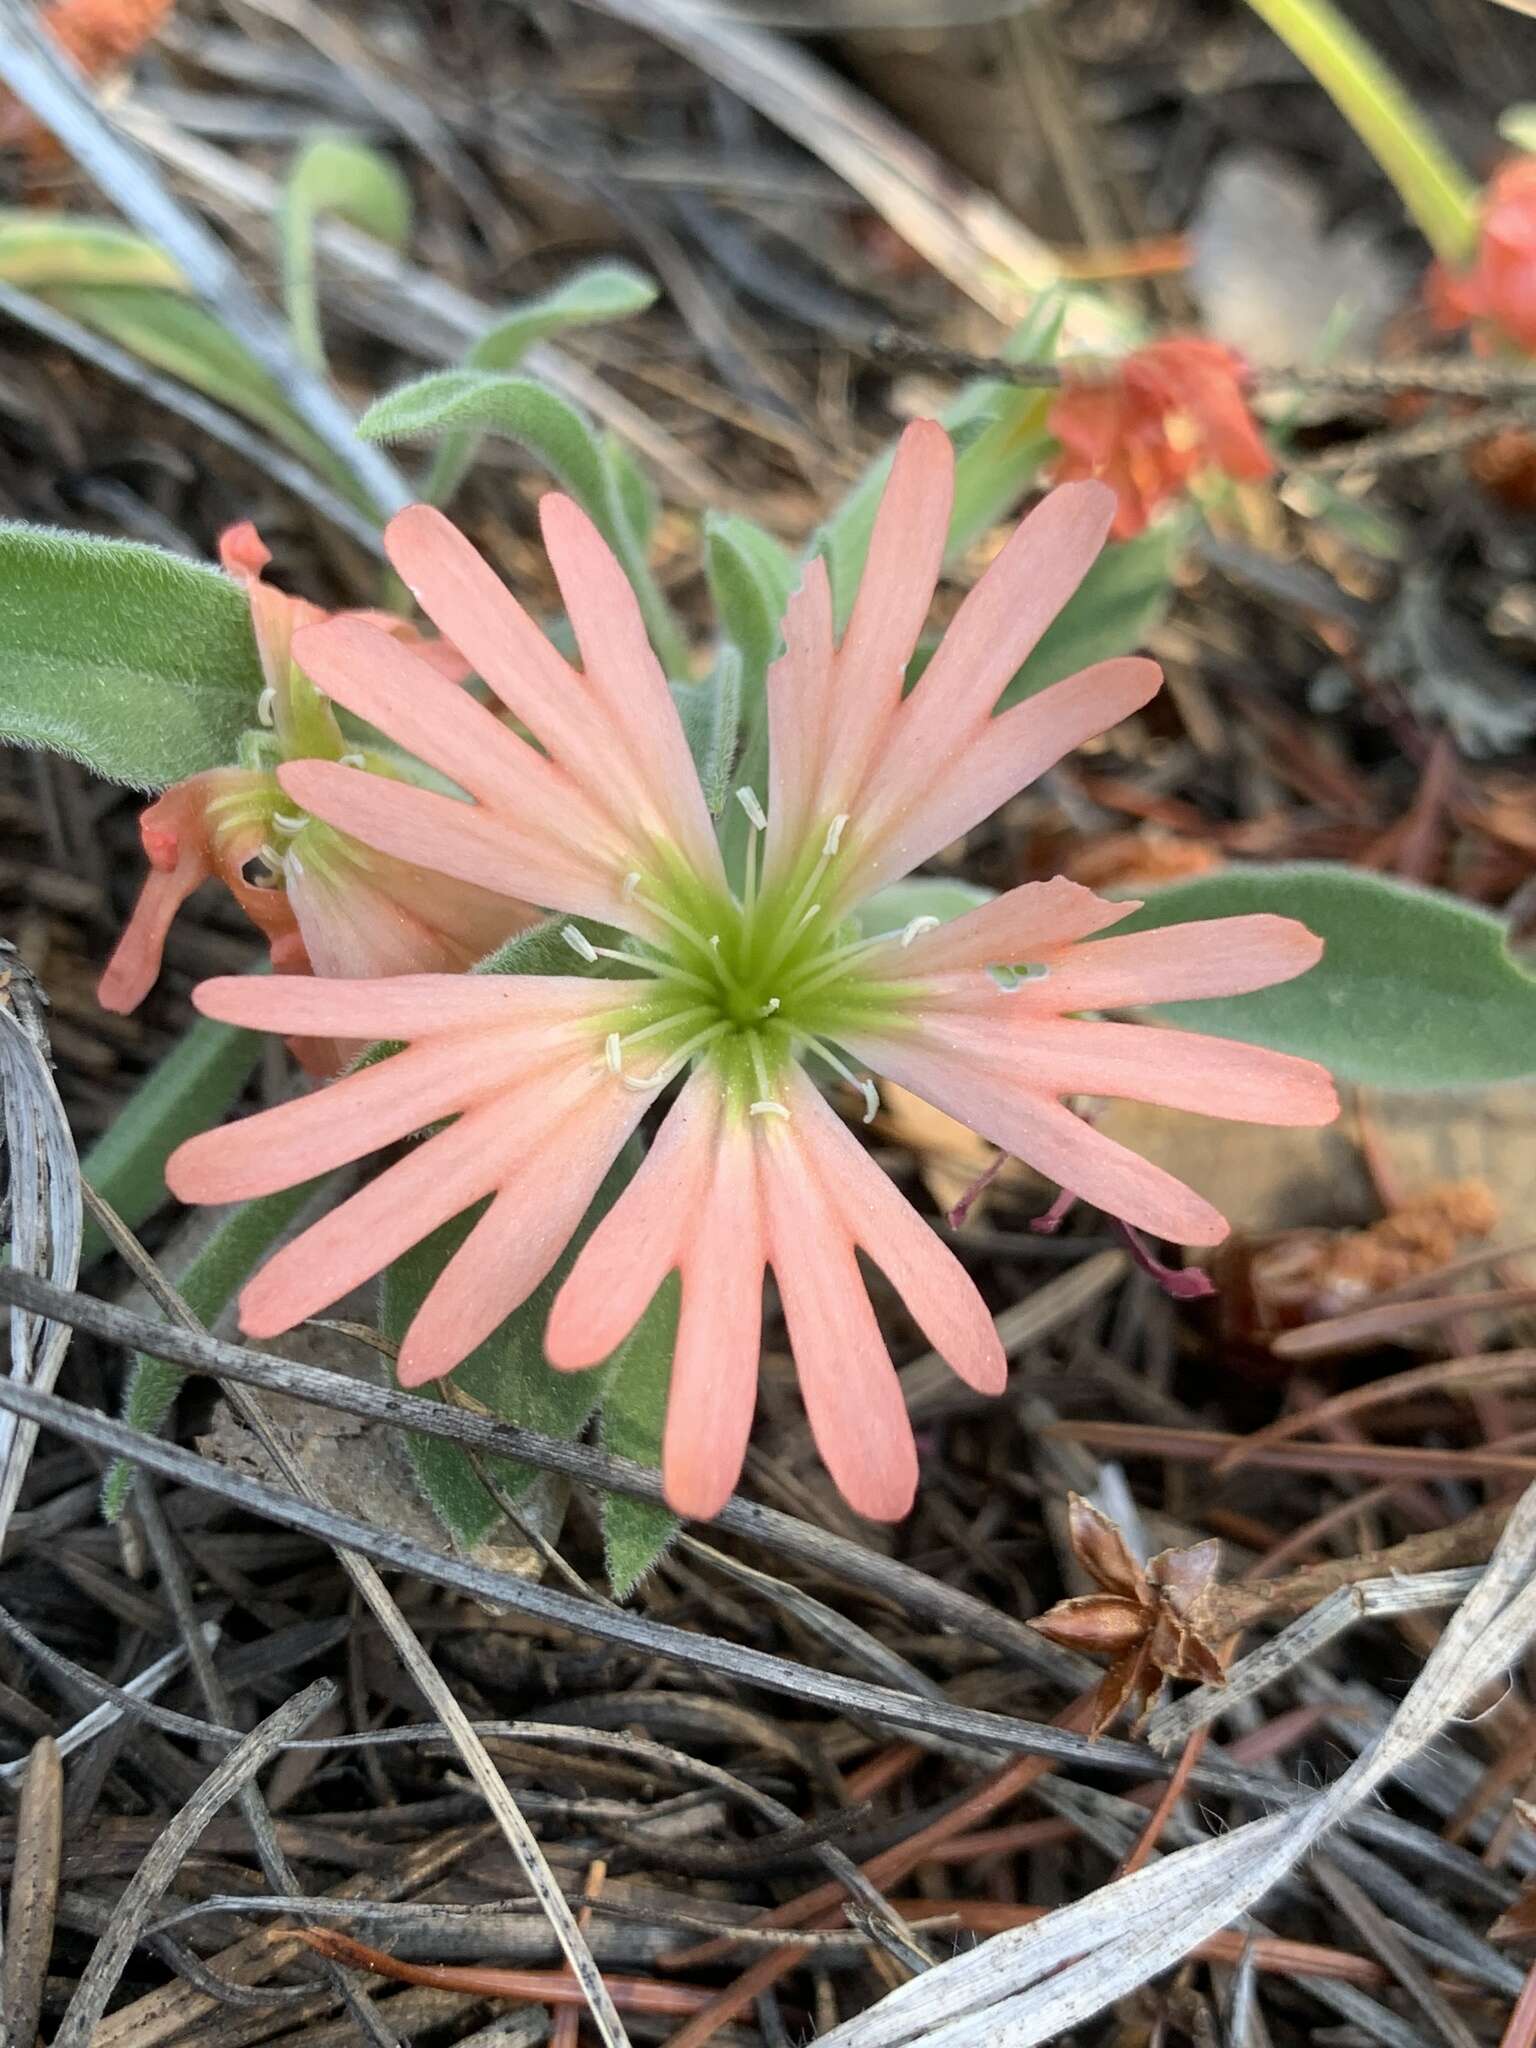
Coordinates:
711 716
485 401
138 663
636 1532
1415 988
334 174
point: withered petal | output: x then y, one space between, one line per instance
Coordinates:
1183 1575
1102 1551
1103 1624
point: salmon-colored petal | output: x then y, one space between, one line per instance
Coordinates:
936 1288
1146 1063
934 787
471 606
1013 930
376 678
278 1148
407 1005
1047 1136
134 967
567 1136
799 692
901 570
639 1241
174 833
624 676
435 1181
1222 956
719 1339
997 627
852 1396
488 849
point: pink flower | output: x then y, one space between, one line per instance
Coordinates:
1161 417
1498 292
324 902
733 988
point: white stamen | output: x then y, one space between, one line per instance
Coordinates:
871 1096
834 834
286 824
352 761
293 866
769 1007
629 885
645 1084
613 1048
579 943
714 942
271 856
747 798
809 917
768 1108
266 706
918 925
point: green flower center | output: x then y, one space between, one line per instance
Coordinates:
752 983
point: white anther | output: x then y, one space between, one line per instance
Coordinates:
768 1108
266 706
579 943
747 798
769 1007
918 925
285 823
629 885
271 856
644 1084
834 833
613 1049
871 1096
714 942
352 761
809 917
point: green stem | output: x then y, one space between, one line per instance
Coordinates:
207 1286
190 1090
1439 196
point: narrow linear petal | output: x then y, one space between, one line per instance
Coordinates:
279 1148
935 784
375 678
1147 1063
1222 956
852 1396
1047 1136
799 692
719 1338
434 1182
1036 919
901 571
936 1288
638 1242
134 967
997 627
623 675
491 850
403 1006
470 605
565 1140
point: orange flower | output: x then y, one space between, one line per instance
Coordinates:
1165 415
1498 293
99 36
324 902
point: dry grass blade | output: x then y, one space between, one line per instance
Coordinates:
1031 1986
912 1590
34 1895
963 231
133 1909
434 1689
42 1195
31 67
